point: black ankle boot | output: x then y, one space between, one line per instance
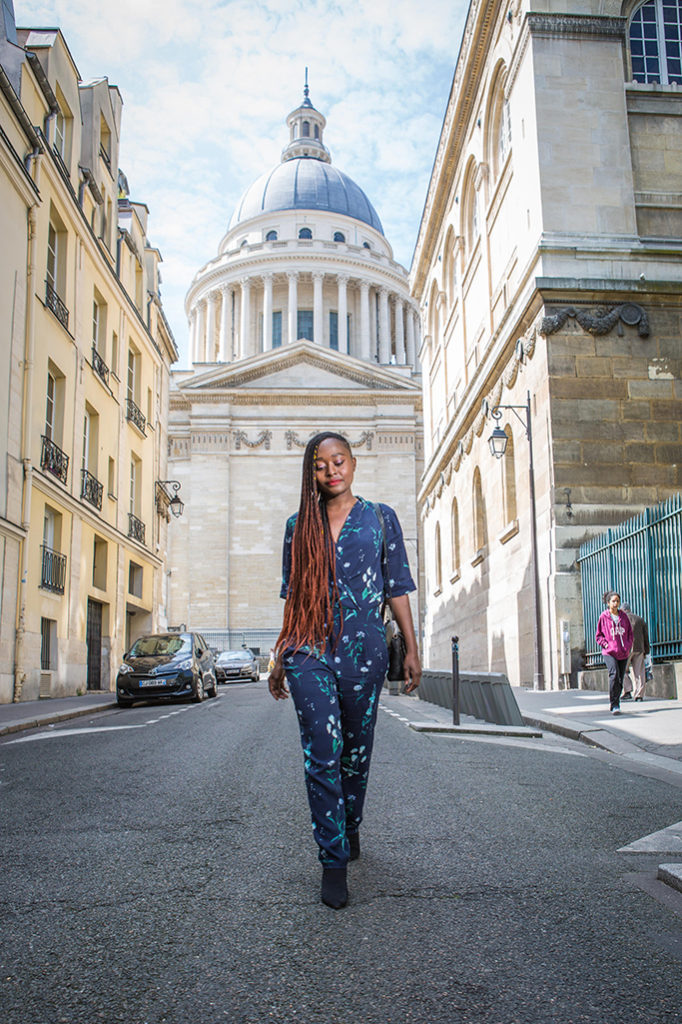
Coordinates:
334 891
354 843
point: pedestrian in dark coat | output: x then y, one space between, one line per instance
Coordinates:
636 671
614 636
332 648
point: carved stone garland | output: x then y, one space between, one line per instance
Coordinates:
264 438
600 322
292 438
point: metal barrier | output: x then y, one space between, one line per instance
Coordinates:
641 559
484 695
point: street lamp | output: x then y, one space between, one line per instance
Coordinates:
164 501
498 446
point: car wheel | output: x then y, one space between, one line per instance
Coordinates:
123 702
199 690
212 691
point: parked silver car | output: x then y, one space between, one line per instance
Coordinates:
242 664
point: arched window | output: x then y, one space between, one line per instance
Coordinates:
656 42
271 236
366 245
480 524
339 236
305 233
454 520
317 131
438 566
470 216
306 129
450 276
509 470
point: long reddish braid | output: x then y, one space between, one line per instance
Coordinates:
309 607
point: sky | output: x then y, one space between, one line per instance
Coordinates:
207 85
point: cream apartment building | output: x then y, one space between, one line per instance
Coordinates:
86 509
548 270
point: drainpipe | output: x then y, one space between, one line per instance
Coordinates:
29 346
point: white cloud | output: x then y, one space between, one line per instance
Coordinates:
207 85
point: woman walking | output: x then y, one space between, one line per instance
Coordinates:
332 648
614 636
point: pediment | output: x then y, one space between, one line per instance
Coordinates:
302 366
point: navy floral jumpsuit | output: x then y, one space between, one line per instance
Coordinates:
336 691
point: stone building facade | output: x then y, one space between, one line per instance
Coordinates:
87 355
302 322
548 271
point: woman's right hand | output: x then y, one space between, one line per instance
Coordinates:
277 681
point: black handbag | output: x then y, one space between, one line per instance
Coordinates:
397 648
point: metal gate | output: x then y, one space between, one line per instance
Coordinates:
93 641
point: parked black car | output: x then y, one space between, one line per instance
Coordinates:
240 664
166 665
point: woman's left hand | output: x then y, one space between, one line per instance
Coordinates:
413 671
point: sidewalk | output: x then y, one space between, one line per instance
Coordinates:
653 726
31 714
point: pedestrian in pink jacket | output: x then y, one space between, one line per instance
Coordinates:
614 636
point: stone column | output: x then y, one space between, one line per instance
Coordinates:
246 318
411 351
225 345
364 320
201 331
192 322
384 328
399 310
342 306
210 326
292 310
267 312
318 318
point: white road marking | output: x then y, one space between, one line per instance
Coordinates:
666 840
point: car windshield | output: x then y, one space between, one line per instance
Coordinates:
236 656
160 646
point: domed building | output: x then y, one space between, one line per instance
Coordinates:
305 256
302 322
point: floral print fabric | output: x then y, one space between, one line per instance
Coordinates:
336 691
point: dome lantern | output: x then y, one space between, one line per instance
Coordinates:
306 127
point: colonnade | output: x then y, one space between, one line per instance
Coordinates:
235 320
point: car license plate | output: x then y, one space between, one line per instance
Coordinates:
151 682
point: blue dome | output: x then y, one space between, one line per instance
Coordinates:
306 183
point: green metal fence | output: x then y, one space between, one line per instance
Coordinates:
642 560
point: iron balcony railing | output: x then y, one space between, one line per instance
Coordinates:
642 560
135 528
54 460
91 489
61 163
53 302
105 156
134 415
53 574
99 366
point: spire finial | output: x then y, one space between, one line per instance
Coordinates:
306 90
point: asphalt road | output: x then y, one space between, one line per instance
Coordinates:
158 866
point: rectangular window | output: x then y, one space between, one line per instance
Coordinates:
86 441
135 579
334 329
134 484
304 327
52 255
99 563
48 644
277 329
111 478
50 406
114 353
